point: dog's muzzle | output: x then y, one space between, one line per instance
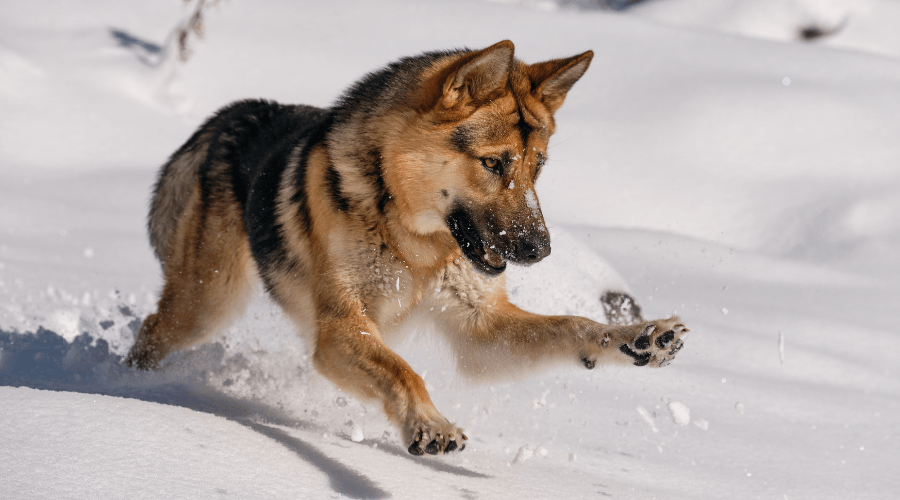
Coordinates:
528 249
531 249
472 244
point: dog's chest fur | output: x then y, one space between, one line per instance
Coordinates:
391 290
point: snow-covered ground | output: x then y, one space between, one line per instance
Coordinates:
708 161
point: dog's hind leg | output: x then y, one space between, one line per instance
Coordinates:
206 283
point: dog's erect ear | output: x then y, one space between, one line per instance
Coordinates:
481 74
551 80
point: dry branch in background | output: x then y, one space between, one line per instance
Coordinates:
194 24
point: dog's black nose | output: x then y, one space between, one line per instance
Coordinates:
531 250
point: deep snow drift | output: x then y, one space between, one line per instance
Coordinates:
708 162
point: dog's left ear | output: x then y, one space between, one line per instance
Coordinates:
551 80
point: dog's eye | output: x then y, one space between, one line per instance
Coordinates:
493 165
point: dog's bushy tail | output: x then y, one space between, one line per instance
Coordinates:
172 192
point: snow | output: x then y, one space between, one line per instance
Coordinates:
356 434
862 25
69 445
526 452
685 170
680 412
781 347
531 200
648 417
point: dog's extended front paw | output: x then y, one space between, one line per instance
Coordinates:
657 342
435 436
653 343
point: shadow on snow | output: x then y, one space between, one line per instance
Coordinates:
45 360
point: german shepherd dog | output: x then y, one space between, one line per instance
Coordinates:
410 194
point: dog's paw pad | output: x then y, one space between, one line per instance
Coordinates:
665 339
427 441
640 359
658 341
433 448
643 341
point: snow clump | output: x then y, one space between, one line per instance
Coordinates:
681 414
356 433
526 452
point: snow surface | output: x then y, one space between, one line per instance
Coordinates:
685 169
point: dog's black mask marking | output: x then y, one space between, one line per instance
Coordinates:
470 242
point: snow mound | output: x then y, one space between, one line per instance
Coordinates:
571 280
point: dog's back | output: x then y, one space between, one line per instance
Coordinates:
222 162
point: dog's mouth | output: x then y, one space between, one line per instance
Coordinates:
472 245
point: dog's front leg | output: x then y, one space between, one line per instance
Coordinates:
350 352
496 337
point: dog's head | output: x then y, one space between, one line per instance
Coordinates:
474 149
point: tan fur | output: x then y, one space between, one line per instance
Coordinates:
351 276
207 282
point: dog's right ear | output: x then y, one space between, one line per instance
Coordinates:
552 80
477 76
